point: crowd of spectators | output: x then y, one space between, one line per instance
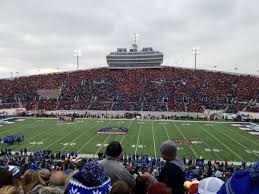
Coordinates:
165 89
55 173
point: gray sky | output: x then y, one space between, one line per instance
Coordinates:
43 34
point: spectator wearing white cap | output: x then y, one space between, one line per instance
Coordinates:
210 185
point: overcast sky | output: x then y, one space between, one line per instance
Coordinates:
40 36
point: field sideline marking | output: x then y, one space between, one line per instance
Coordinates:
171 120
221 142
235 141
186 140
154 138
140 126
125 135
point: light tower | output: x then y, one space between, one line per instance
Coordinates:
77 53
135 38
195 51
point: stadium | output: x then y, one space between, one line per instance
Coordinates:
137 120
210 115
154 104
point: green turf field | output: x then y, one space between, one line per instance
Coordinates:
211 140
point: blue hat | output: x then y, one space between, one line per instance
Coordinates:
254 173
90 180
68 171
243 182
33 167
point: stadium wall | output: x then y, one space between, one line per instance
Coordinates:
251 115
13 111
121 113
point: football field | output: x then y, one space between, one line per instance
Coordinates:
210 140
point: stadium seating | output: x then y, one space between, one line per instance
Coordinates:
165 89
53 172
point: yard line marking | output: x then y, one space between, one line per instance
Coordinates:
35 144
154 138
166 131
221 142
81 134
66 127
16 130
102 144
207 145
62 137
138 138
125 135
213 153
186 140
234 140
56 132
86 143
39 134
241 135
91 138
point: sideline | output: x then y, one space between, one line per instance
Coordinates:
144 120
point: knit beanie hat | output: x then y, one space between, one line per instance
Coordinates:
15 171
243 182
168 148
91 179
33 166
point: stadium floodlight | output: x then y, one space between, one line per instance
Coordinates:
77 53
195 51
